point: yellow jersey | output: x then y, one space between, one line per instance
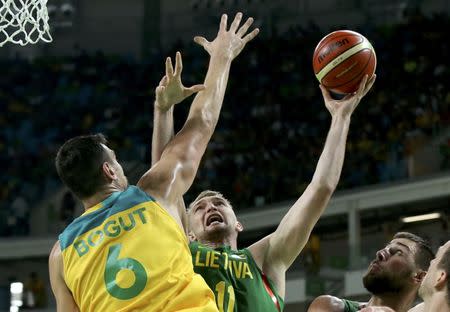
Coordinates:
128 254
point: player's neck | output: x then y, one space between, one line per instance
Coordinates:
99 197
437 303
400 302
219 242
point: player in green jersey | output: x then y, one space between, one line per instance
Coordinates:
253 279
393 278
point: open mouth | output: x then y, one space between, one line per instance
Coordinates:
214 219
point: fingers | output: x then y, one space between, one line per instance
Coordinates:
369 84
169 68
236 22
348 96
201 41
362 85
163 81
178 64
241 32
325 93
159 91
251 35
223 23
194 89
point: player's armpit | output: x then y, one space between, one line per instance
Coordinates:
64 299
326 304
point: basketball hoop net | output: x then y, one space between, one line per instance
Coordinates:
24 21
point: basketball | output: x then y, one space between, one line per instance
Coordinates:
341 59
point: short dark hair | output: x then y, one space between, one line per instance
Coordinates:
424 253
79 161
444 264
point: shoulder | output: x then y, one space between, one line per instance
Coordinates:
133 190
327 303
194 245
418 308
55 253
246 252
155 181
259 250
55 258
135 195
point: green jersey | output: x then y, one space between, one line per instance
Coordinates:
236 280
351 306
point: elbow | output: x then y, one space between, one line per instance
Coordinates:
203 121
206 117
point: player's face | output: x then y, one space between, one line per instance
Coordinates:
428 283
393 268
212 217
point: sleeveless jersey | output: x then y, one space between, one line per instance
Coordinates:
128 254
235 278
350 306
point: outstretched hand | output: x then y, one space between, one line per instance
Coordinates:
170 90
347 105
229 43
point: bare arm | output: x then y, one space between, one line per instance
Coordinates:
162 132
172 176
169 92
277 252
64 299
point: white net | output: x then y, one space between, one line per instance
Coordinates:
24 21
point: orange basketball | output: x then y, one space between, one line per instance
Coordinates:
341 59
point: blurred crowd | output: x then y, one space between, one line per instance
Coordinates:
273 123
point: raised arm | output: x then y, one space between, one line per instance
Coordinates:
169 92
64 299
276 252
172 176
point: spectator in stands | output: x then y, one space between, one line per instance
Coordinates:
419 106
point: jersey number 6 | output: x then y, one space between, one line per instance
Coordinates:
114 265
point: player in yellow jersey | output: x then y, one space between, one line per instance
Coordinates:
129 251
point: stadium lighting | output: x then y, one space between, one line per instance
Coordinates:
16 290
428 216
